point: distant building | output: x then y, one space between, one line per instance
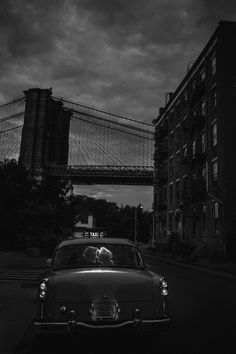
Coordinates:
195 142
86 222
85 227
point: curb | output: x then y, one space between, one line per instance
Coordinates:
189 266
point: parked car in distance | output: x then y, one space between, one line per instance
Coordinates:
99 284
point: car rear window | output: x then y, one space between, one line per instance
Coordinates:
94 255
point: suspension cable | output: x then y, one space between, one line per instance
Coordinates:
13 101
113 128
104 112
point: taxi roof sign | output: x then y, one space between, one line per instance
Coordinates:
94 233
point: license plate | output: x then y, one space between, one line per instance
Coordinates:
104 311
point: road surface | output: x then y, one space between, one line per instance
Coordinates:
202 307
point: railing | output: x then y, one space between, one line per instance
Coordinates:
187 159
161 176
197 121
194 191
186 125
199 156
162 205
161 152
97 170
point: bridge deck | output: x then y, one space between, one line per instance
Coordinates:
85 174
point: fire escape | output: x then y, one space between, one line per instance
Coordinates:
161 174
195 153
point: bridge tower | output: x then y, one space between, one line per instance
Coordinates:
45 134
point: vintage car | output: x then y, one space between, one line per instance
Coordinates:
99 284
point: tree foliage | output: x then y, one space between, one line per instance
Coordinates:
41 213
117 221
33 213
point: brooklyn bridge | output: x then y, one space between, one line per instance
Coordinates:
58 138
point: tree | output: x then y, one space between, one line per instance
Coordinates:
41 213
33 213
117 221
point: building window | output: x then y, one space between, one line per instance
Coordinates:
178 134
185 185
203 108
171 192
185 151
204 173
170 220
164 221
155 198
185 97
213 97
160 200
178 111
204 219
194 178
215 171
165 193
171 166
203 75
194 222
203 142
165 169
214 134
171 117
83 219
213 65
177 190
171 140
216 218
184 235
177 160
194 149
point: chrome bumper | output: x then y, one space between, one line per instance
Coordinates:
74 325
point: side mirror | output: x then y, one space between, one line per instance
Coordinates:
49 262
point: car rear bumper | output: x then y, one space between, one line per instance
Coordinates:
70 326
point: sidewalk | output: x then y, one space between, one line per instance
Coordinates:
227 268
21 260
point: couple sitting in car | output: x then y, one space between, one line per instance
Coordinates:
94 255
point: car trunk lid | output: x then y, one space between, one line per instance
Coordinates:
99 284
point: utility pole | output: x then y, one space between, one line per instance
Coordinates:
135 224
136 221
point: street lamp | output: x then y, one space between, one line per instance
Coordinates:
136 221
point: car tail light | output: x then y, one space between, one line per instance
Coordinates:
163 287
164 295
43 290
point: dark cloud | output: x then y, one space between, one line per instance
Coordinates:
124 54
28 26
118 55
162 22
219 10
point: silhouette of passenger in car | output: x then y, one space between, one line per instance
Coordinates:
90 254
104 256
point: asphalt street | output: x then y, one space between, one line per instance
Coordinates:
202 307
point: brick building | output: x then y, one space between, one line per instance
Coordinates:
194 161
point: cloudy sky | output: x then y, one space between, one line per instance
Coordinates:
117 55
